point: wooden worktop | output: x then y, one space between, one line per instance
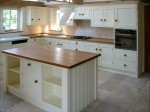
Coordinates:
51 55
68 37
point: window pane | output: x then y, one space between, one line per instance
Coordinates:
10 19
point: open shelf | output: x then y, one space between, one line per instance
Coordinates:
54 100
53 80
15 86
16 70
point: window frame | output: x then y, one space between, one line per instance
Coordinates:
1 19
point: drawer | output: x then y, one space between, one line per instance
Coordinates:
77 43
30 66
126 55
126 66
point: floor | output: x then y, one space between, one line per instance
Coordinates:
116 93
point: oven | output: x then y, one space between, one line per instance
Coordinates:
126 39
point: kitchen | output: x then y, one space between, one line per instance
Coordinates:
92 27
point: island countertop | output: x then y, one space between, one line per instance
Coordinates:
51 55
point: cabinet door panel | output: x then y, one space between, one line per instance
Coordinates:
126 16
97 17
109 16
106 56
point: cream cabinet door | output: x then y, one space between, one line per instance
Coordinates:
126 16
31 80
109 16
106 55
97 17
66 18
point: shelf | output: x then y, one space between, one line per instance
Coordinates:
16 70
53 80
54 100
15 86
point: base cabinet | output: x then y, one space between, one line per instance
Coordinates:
52 88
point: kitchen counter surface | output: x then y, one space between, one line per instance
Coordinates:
94 39
9 39
54 56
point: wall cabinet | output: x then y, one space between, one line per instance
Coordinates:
35 15
103 16
66 17
82 13
126 16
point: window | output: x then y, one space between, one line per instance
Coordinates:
10 20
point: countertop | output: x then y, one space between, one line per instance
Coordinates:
14 38
51 55
68 37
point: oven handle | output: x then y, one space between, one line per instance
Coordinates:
129 35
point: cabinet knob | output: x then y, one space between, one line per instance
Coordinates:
82 14
116 20
61 44
34 39
29 64
104 19
125 55
100 49
39 19
79 14
49 42
96 49
76 42
36 81
101 19
125 65
32 19
57 44
76 49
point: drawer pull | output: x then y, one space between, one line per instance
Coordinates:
29 64
76 49
125 55
76 42
96 49
125 65
36 81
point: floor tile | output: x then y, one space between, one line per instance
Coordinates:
120 100
22 107
103 94
135 82
103 75
38 110
142 104
110 84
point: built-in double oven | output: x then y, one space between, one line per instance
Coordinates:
126 39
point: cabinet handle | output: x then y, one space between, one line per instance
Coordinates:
35 40
76 49
76 42
32 19
79 14
96 49
125 65
36 81
104 19
101 19
29 64
57 44
61 44
39 19
82 14
116 20
125 55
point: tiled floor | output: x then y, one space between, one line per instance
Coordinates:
116 93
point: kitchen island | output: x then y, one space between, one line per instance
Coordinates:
54 79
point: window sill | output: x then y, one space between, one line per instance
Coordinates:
11 32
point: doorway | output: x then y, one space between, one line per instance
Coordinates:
147 39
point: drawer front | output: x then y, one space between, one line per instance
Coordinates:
126 66
126 55
77 43
30 66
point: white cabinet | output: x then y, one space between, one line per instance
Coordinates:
106 51
126 60
126 16
77 45
31 83
103 16
66 16
34 41
106 55
35 15
82 13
